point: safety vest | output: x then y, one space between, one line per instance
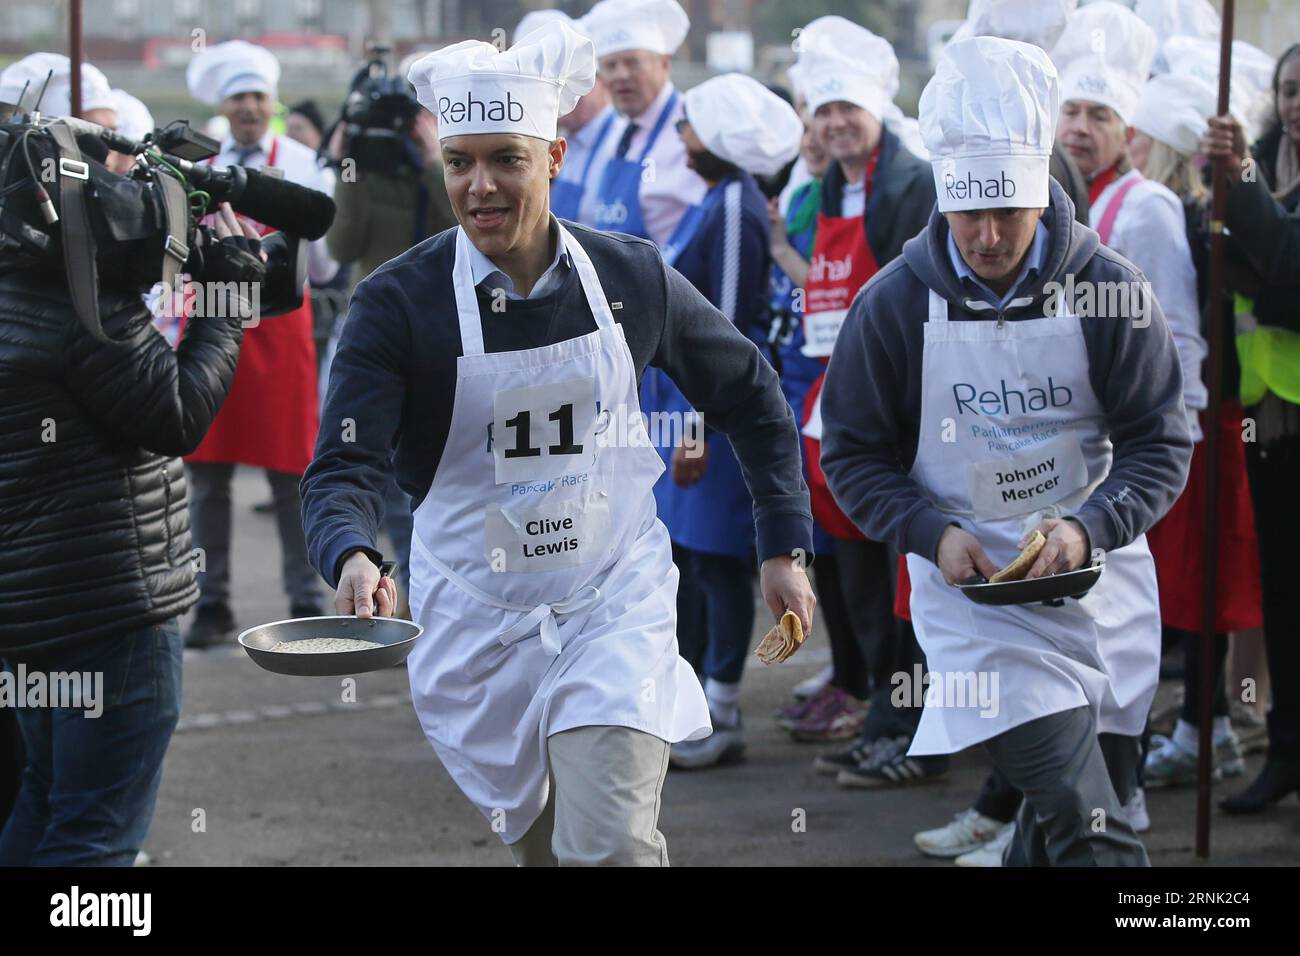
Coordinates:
1270 357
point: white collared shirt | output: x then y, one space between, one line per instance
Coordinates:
486 273
668 186
580 145
299 165
1151 232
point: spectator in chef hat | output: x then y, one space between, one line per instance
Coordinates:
1169 123
240 79
26 79
848 77
487 100
134 121
635 41
1249 94
1173 114
1039 22
840 61
1177 18
1104 59
538 18
589 106
734 122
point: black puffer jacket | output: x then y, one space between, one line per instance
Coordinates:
94 519
1265 239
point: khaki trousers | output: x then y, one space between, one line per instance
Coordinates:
603 808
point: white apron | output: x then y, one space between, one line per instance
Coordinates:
541 576
1026 439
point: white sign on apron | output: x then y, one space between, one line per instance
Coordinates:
1009 417
541 576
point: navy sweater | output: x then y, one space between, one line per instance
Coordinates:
394 377
871 403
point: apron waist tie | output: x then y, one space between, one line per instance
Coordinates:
539 620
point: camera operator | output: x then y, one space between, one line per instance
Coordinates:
390 192
389 198
270 419
96 567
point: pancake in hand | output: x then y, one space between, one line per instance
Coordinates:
1017 569
782 641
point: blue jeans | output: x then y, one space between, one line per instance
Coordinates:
714 634
90 783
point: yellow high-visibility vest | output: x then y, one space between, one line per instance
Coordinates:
1270 357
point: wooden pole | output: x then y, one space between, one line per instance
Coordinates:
75 53
1214 385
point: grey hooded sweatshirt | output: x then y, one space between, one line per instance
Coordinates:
871 402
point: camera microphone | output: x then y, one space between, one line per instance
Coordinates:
270 200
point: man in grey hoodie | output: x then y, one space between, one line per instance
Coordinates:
1040 389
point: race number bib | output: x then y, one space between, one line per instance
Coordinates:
820 330
1032 480
544 431
559 535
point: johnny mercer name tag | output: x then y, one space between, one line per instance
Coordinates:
1025 483
562 534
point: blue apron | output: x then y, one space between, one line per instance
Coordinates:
619 205
566 194
715 515
798 371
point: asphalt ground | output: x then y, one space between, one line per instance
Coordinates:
267 770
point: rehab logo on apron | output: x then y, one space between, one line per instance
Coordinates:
842 263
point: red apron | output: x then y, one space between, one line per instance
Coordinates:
903 591
842 264
1176 540
270 418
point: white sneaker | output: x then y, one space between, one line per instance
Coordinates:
806 688
968 831
990 854
1136 811
727 742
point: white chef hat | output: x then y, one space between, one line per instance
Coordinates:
659 26
1177 18
988 116
1174 108
842 61
1104 56
231 68
906 128
133 118
32 70
536 18
1252 75
472 87
1039 22
740 120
